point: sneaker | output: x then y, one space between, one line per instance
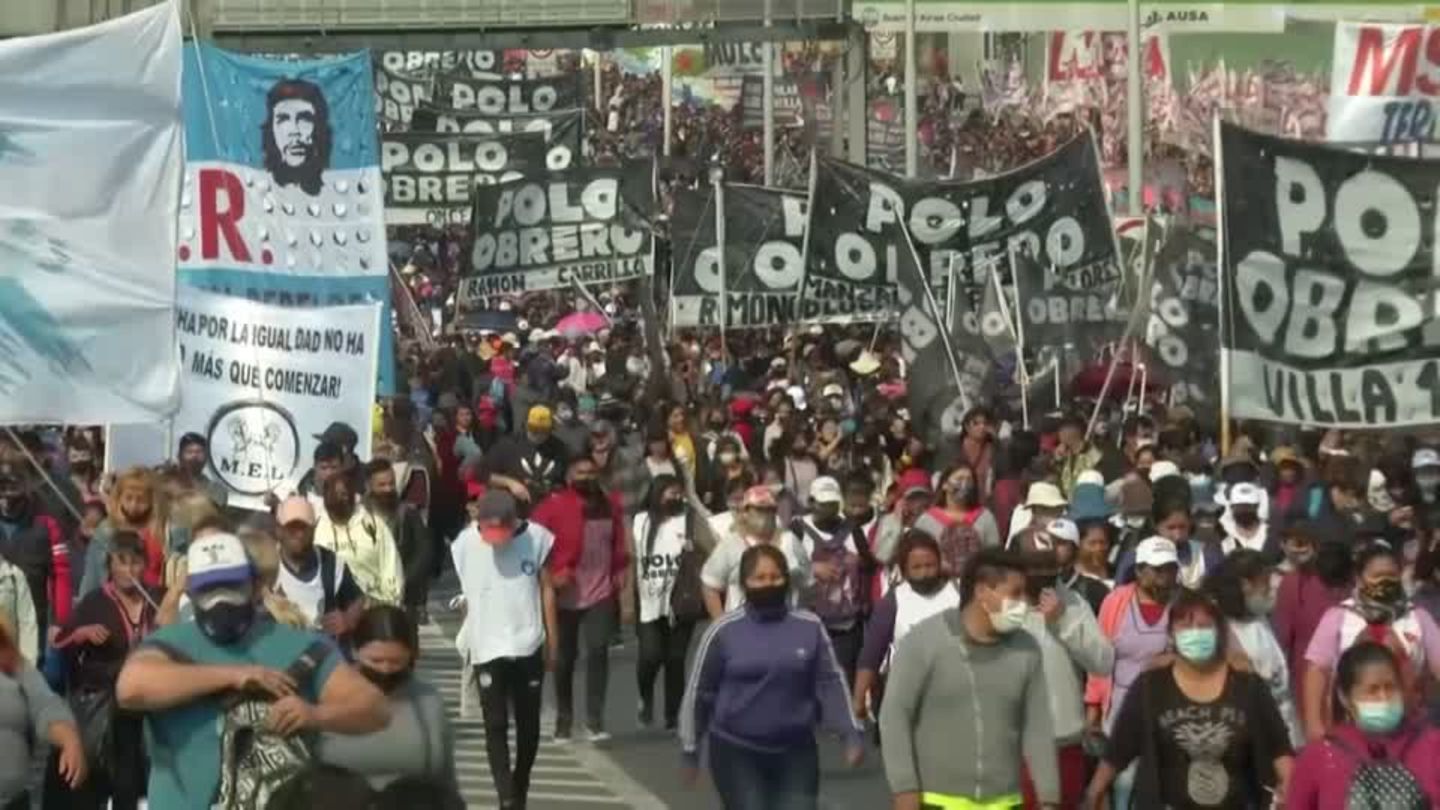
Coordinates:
671 724
562 736
599 736
647 716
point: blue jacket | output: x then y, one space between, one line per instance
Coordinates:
764 681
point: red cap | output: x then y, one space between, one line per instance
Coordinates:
914 481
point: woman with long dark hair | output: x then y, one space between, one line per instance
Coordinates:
958 521
1370 737
419 741
1204 733
763 675
662 536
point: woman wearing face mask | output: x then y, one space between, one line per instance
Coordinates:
1173 522
661 536
418 741
1242 587
1134 618
923 593
1370 738
1379 611
1200 732
105 626
762 676
134 506
1321 576
958 521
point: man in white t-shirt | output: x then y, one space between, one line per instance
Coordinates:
314 579
755 524
500 561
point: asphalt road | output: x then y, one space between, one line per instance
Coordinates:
636 769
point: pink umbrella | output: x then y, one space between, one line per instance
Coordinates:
577 324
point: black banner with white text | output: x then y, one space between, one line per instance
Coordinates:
503 97
430 177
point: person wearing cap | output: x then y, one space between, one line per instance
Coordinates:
1043 503
328 461
590 568
312 577
840 568
1135 619
191 460
1425 466
363 540
975 668
621 467
1088 570
1292 495
510 635
1242 524
102 630
1071 647
178 676
755 523
528 464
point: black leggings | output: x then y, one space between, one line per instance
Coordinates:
511 685
663 646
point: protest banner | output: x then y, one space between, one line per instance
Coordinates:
430 177
764 234
283 200
1052 211
586 224
1328 263
560 128
88 202
506 97
1182 331
1383 83
398 95
484 64
261 382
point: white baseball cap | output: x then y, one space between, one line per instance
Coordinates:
1163 469
1155 552
1046 496
826 490
833 390
1425 457
217 561
1245 494
1063 529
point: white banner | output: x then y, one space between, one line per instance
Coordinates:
89 194
261 381
1383 83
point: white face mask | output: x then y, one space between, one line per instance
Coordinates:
1010 617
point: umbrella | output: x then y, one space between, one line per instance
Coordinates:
487 320
578 324
1091 379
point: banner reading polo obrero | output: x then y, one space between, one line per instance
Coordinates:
1383 84
586 224
283 199
91 151
1329 285
261 382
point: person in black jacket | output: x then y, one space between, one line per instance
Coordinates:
28 541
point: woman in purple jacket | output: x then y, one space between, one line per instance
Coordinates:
764 677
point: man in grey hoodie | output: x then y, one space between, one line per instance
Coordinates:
967 700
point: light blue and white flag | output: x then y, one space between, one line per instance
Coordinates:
283 202
91 155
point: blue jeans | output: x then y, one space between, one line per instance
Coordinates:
747 779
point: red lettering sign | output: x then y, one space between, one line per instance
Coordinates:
217 222
1372 61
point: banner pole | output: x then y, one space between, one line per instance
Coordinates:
45 476
1018 323
667 82
805 239
1135 109
1221 236
935 314
912 104
767 102
718 180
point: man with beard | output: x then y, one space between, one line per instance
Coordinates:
590 567
295 137
314 579
362 540
194 457
179 675
412 536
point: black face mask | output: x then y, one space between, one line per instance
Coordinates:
225 623
828 522
929 586
770 598
673 507
717 427
386 682
1247 520
12 507
1036 583
862 517
589 487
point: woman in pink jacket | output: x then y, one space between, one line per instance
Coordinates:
1372 756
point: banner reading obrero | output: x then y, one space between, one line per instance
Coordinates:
260 382
282 200
90 163
1329 284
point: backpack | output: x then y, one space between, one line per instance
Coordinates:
1381 784
687 596
837 603
255 763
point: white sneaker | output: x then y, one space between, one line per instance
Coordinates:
599 736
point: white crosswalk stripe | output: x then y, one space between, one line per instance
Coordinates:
560 781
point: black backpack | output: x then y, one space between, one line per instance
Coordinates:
1384 784
687 596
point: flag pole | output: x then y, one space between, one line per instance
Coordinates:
717 179
934 307
1220 257
1018 322
805 239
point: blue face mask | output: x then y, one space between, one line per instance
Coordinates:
1196 644
1379 716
